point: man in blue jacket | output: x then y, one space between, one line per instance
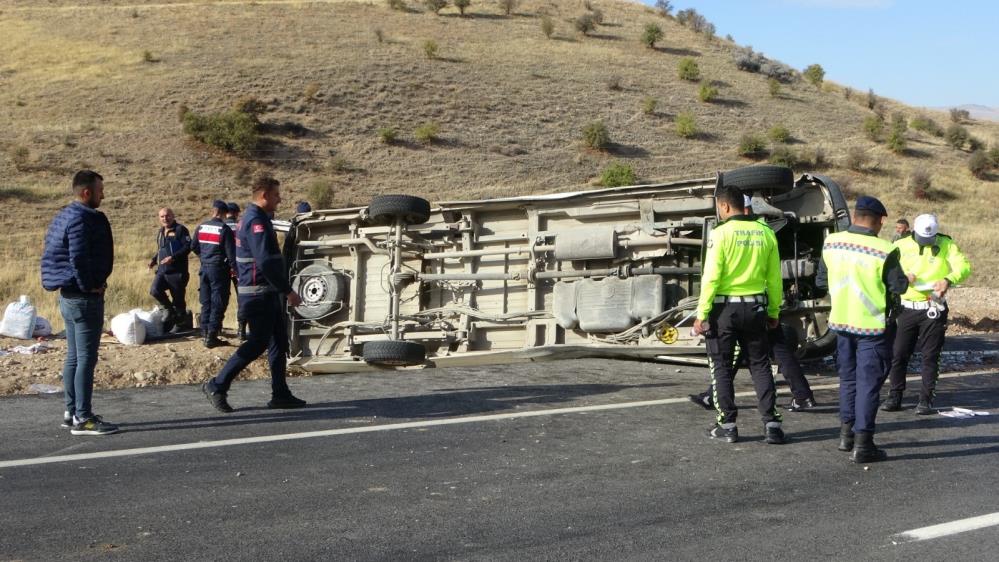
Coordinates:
262 292
77 261
173 244
214 244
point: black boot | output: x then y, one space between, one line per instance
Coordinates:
170 320
241 331
846 437
865 451
925 407
893 403
212 340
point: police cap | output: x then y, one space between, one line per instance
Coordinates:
220 205
871 205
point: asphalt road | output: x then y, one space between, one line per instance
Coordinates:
508 481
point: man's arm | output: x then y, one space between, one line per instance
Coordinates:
711 274
80 255
822 278
229 245
269 260
960 267
184 237
775 284
195 243
893 276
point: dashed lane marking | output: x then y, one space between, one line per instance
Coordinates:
947 529
387 427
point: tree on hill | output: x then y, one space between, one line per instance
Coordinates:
815 74
664 7
651 35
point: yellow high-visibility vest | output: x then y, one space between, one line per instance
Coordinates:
943 260
856 283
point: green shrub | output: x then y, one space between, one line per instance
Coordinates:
339 165
847 93
617 175
688 69
956 135
814 73
320 193
873 127
21 157
399 5
427 132
975 143
926 125
508 6
707 92
813 157
462 5
899 122
379 35
872 100
649 104
896 141
993 156
435 6
547 26
779 133
598 16
752 145
782 156
651 35
249 105
686 125
585 24
596 136
978 163
856 158
234 131
147 56
774 85
388 135
614 83
958 115
920 182
430 49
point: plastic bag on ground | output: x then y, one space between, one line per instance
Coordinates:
152 320
128 329
19 319
43 328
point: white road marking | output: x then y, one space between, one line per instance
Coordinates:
388 427
947 529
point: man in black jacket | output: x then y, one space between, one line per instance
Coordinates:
77 261
173 242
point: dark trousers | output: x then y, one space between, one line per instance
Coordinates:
787 363
745 324
862 362
268 331
84 319
176 285
214 296
916 331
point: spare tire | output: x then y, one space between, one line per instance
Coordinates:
385 209
321 290
394 353
768 180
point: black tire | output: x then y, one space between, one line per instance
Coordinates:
321 289
385 208
394 353
769 180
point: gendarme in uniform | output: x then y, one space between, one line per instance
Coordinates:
741 293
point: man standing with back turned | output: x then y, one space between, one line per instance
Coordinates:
215 246
860 272
741 295
263 288
77 261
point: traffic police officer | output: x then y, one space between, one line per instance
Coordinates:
232 220
783 355
741 295
263 288
861 271
933 263
173 243
215 245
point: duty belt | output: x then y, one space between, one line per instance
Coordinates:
916 305
748 298
933 309
255 290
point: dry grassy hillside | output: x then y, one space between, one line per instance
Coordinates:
90 84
